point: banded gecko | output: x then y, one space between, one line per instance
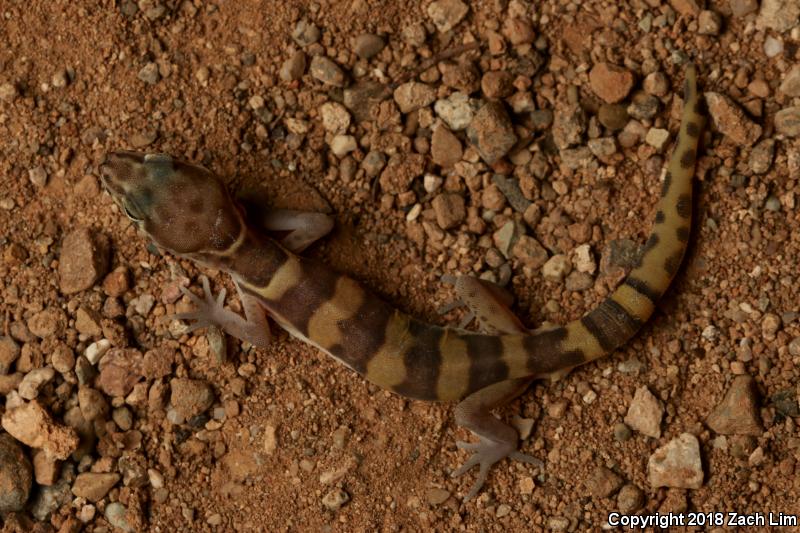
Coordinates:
187 210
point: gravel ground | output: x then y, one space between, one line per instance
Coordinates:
521 142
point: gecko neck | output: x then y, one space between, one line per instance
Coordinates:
253 259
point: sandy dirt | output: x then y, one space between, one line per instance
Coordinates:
287 439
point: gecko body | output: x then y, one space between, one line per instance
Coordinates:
186 210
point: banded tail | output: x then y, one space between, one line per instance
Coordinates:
621 315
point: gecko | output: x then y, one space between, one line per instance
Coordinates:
187 210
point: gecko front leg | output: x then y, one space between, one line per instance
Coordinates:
253 328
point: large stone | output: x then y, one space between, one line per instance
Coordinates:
645 413
16 475
32 425
445 14
94 485
610 82
677 464
491 132
730 120
83 261
738 413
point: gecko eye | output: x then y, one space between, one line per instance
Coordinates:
131 213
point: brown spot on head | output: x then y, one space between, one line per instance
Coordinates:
683 234
660 217
684 206
667 183
687 158
153 190
196 205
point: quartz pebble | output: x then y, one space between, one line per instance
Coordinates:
445 14
645 413
677 464
731 121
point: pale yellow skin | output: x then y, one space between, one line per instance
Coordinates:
186 210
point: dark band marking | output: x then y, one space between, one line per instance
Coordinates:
683 234
545 354
611 324
673 263
687 89
484 366
684 206
643 288
660 217
316 286
692 129
364 333
687 158
667 183
422 361
256 260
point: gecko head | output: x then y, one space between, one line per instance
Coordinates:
184 208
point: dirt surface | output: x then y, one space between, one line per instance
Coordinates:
124 420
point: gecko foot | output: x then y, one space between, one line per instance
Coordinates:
209 309
486 453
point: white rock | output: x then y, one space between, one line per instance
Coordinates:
335 117
341 145
677 464
95 351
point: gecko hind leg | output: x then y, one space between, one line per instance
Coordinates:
300 229
496 439
486 301
253 327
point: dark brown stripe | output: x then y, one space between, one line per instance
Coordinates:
684 206
687 89
660 217
422 361
316 286
545 354
611 324
673 263
692 129
485 365
683 234
687 158
643 288
667 184
364 334
256 260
